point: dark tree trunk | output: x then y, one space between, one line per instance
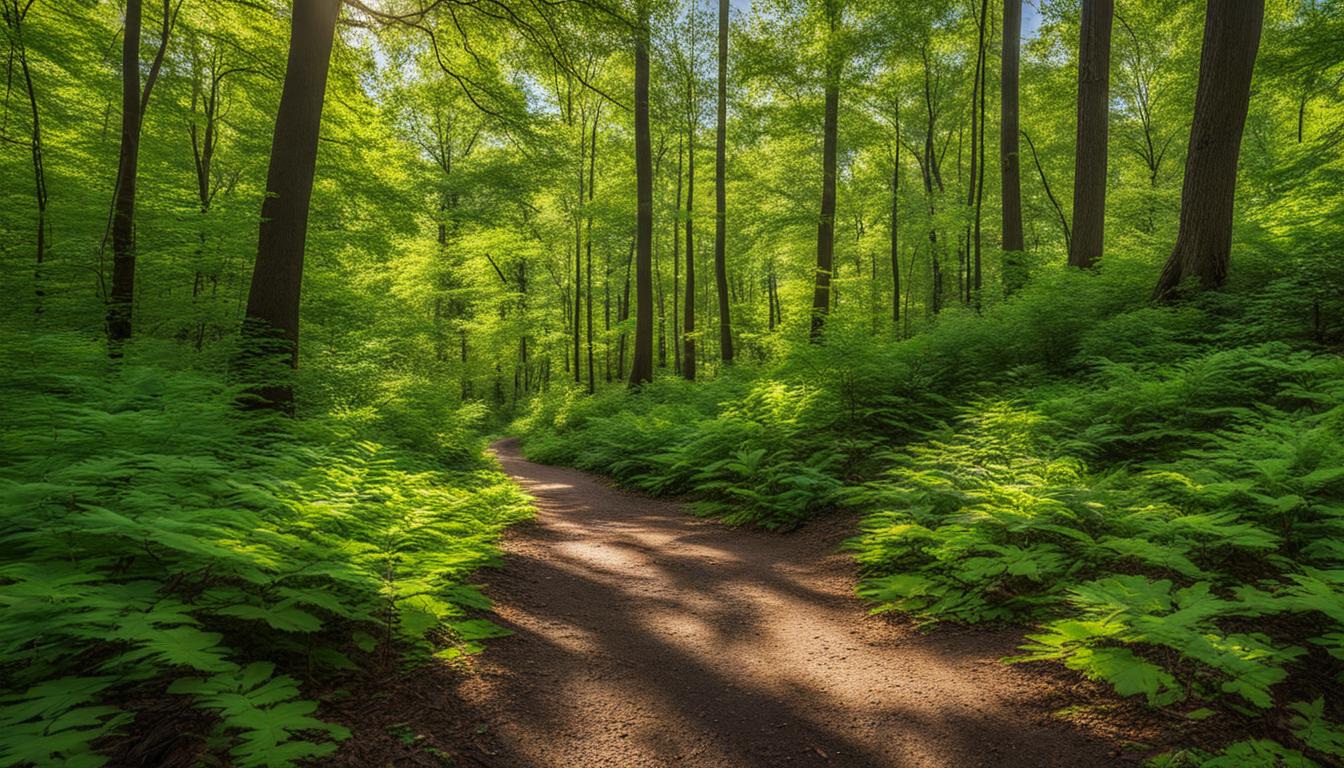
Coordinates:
1204 241
277 277
1010 166
720 193
821 294
1089 180
14 18
641 364
588 247
688 339
896 229
578 257
123 206
676 272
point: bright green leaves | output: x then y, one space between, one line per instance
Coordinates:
159 538
262 716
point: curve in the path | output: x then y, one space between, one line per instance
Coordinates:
647 637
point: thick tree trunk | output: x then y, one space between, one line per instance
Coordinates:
641 364
1204 241
1010 166
277 277
123 207
720 193
821 294
1089 180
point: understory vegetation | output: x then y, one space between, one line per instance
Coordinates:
164 550
1158 490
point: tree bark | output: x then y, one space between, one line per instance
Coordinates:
641 364
123 205
588 246
277 277
821 294
688 321
1089 180
720 193
1010 166
1204 241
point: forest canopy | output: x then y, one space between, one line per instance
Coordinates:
1050 293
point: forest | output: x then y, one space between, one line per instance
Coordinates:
369 367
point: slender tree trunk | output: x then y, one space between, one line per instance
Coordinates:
14 18
1204 241
1010 167
720 193
592 187
896 230
821 294
277 277
578 257
1089 180
976 276
688 322
641 366
676 272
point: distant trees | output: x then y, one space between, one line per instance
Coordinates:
1204 242
1089 180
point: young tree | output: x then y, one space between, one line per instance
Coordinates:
1089 180
277 277
720 193
1204 242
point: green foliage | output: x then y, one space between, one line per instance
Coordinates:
159 540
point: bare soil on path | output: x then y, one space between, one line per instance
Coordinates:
644 636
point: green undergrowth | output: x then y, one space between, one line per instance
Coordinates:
1158 489
160 543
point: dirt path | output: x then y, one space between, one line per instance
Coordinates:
648 637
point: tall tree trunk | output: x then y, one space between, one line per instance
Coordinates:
821 294
641 364
277 277
1204 241
1089 179
1010 167
976 276
688 322
14 18
676 271
588 247
578 256
721 195
123 206
896 231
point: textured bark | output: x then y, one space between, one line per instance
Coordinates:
123 205
1089 180
277 277
676 270
641 364
1010 166
688 339
588 244
821 294
1204 241
720 193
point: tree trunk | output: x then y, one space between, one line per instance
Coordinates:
676 272
1089 180
720 193
1204 241
123 206
688 322
821 294
641 365
588 247
277 277
1010 175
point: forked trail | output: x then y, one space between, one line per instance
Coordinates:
647 637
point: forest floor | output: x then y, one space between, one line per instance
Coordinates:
644 636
